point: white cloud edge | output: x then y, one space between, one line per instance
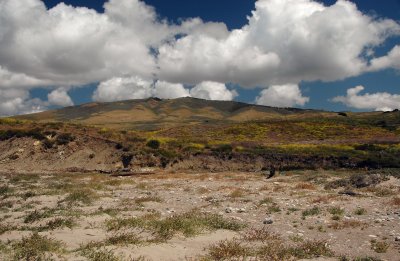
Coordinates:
379 101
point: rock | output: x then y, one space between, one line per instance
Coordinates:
348 193
397 239
241 210
237 219
268 221
228 210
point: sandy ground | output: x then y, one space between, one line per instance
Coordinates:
88 214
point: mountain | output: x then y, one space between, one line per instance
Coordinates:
154 112
190 134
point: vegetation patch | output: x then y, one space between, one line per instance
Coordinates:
189 224
35 247
379 246
37 215
59 223
84 196
261 245
311 212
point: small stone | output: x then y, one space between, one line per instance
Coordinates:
228 210
397 239
241 210
268 221
237 218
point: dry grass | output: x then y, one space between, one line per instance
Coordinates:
142 200
256 246
395 202
228 250
379 246
203 190
380 191
238 193
35 247
360 211
311 212
144 186
259 234
324 199
189 224
348 224
266 201
306 186
84 196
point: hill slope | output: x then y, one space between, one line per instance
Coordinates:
194 134
157 112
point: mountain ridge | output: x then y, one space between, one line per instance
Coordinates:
155 111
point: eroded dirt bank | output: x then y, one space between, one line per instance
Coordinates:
93 154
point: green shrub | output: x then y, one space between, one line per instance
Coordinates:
64 139
35 247
311 212
154 144
48 144
225 148
34 133
360 211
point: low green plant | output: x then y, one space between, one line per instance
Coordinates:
124 239
148 199
59 223
100 254
5 228
274 209
360 211
84 196
311 212
37 215
267 200
35 247
189 224
5 190
379 246
336 211
229 250
311 249
154 144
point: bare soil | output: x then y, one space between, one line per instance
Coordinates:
99 217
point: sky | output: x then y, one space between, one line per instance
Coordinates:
332 55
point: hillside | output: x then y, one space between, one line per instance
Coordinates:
154 112
194 134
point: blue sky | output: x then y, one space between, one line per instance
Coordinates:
234 15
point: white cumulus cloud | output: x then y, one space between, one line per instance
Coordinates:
391 60
117 89
380 101
213 91
14 101
284 41
166 90
60 97
288 95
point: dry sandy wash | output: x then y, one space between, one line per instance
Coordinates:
313 215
